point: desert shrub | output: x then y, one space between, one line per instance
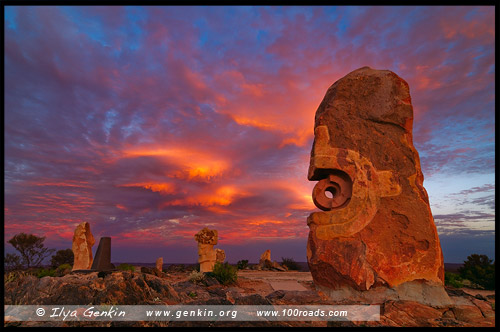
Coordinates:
242 264
31 248
480 270
453 280
196 276
12 262
14 275
126 267
65 256
290 263
224 273
42 272
63 269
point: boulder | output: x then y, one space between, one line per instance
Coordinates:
376 229
83 240
468 313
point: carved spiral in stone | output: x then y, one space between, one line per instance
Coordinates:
339 185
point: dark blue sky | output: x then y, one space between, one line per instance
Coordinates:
153 122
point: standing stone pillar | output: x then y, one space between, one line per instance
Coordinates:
206 239
376 238
83 240
266 256
159 264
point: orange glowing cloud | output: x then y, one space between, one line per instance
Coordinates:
245 121
222 196
162 188
193 164
263 222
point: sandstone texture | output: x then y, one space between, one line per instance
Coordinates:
83 240
207 256
376 232
207 236
159 264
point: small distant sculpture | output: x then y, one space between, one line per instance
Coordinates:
266 256
376 236
265 263
102 260
83 240
206 239
220 255
159 264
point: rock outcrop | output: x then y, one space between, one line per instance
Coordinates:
376 238
126 288
83 240
206 239
134 288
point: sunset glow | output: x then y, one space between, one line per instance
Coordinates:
151 123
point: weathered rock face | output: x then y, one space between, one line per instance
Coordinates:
377 229
159 264
206 239
220 255
83 240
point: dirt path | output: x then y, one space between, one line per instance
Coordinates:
290 280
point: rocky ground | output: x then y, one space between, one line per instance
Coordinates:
471 307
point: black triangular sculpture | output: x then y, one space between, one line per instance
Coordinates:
102 260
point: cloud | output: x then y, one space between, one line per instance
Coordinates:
152 122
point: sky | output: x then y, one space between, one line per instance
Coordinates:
151 123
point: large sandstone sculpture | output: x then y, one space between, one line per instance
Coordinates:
206 239
83 240
376 238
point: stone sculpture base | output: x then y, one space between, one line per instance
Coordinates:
428 293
